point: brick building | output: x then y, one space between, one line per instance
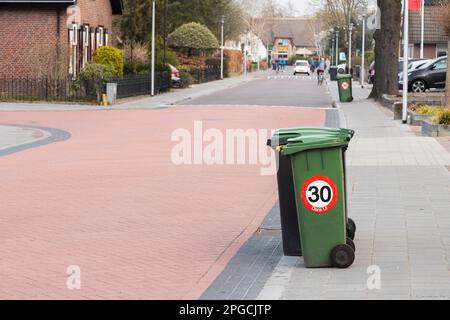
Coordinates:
52 37
435 38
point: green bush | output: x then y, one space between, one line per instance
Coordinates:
110 56
186 79
425 109
94 76
133 67
443 117
193 36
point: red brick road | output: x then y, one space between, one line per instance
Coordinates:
110 201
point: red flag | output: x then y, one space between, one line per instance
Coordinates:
415 5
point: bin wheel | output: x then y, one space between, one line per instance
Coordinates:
350 233
351 243
351 223
342 256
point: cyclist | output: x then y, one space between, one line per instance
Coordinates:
321 70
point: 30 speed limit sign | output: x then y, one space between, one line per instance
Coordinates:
319 194
345 85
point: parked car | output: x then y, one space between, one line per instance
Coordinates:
175 76
432 75
413 63
341 68
301 66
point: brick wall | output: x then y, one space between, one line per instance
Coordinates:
30 45
28 40
96 13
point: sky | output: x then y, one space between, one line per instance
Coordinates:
301 6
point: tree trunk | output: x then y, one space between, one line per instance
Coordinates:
447 85
387 41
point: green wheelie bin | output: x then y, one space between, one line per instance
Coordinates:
286 191
345 87
318 172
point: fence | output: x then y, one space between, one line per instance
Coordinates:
44 89
48 89
207 74
140 84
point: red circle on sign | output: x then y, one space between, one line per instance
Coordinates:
345 85
319 194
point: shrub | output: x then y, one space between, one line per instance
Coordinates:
95 75
139 54
193 36
133 67
186 79
110 56
425 109
443 117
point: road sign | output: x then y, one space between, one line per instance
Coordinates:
345 85
319 194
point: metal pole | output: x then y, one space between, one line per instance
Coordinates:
350 26
153 49
363 51
422 11
245 55
405 60
221 51
337 48
332 49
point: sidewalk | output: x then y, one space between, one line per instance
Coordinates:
18 138
399 196
176 96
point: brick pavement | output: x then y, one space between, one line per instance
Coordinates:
110 201
399 196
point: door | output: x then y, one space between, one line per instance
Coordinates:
438 74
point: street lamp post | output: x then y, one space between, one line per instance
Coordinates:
350 28
153 48
405 60
221 49
337 47
245 54
363 49
332 46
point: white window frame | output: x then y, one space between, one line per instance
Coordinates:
100 32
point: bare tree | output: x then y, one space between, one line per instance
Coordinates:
338 13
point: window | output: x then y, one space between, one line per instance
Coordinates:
100 37
86 43
441 49
411 51
442 64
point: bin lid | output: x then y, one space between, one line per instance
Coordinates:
344 76
281 136
311 142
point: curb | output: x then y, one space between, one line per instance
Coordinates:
56 135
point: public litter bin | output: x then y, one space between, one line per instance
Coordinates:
319 178
333 73
345 87
286 191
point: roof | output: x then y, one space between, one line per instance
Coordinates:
116 5
433 32
300 30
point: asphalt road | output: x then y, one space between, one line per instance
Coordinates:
272 89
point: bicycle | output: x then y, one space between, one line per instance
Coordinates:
320 79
